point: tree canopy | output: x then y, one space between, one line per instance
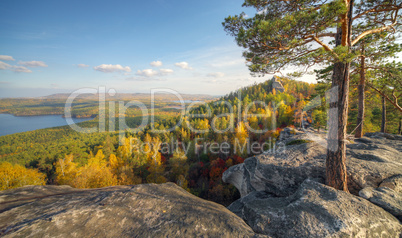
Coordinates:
302 33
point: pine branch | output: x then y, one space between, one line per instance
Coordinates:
394 103
373 31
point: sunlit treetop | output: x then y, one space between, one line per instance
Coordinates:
302 33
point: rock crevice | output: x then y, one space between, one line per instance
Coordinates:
283 195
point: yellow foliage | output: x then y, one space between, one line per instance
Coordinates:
122 171
253 121
178 165
240 139
14 176
156 169
95 174
114 163
229 163
66 170
182 182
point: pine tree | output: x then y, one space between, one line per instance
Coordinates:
374 51
282 33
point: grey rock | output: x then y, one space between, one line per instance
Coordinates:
366 193
277 85
383 135
372 161
281 170
147 210
315 210
287 133
279 174
393 182
385 198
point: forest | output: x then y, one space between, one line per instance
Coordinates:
351 46
86 105
253 115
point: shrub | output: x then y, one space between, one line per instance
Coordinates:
14 176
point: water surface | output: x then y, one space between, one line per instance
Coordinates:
10 124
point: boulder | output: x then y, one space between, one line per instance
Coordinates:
280 173
301 155
315 210
393 182
386 198
146 210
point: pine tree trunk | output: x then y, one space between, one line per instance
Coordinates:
384 116
336 175
400 127
361 88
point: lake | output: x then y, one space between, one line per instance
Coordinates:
10 124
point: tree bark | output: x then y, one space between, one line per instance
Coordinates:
361 88
336 174
384 116
400 127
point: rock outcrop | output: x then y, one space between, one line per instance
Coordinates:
147 210
277 85
283 194
299 155
315 210
386 198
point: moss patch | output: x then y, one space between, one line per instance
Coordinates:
298 142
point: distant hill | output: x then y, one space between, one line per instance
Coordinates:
284 85
133 96
86 105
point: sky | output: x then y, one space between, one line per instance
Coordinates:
49 47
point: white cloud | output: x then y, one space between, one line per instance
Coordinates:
143 79
18 69
166 71
32 63
216 75
6 58
109 68
4 65
82 65
156 63
22 68
147 72
151 73
183 65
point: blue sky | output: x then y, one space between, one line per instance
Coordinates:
52 46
